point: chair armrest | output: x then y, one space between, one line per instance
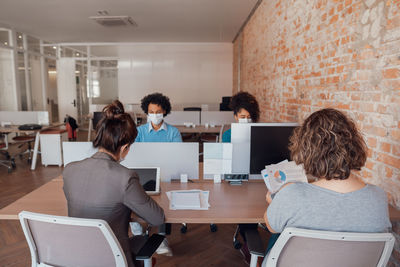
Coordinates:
254 242
150 247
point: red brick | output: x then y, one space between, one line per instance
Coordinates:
389 172
334 19
391 73
387 159
371 142
369 165
386 147
396 135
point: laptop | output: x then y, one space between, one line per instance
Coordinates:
149 178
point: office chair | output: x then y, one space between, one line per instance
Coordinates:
312 248
192 109
8 162
67 241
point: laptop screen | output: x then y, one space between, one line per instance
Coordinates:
147 178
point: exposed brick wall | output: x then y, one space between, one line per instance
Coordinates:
298 56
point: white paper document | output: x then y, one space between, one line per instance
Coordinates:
188 199
276 175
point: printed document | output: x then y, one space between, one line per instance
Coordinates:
276 175
188 199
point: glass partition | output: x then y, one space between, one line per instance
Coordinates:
5 37
7 81
33 44
104 81
21 78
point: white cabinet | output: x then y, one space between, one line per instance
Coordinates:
51 146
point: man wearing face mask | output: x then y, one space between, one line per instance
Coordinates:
245 110
157 106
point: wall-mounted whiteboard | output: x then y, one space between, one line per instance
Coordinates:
186 73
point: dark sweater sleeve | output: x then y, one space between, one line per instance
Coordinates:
141 204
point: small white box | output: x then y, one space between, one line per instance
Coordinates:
217 178
184 178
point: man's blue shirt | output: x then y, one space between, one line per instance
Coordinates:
166 133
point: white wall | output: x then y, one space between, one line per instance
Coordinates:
186 73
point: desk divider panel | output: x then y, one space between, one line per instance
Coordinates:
25 117
180 117
76 151
173 159
217 117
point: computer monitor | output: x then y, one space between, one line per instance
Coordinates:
149 178
269 145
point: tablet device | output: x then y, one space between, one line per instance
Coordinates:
149 178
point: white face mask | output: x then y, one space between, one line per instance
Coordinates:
244 120
155 118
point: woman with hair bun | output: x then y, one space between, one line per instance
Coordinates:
100 188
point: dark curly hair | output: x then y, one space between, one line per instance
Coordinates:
244 100
158 99
329 145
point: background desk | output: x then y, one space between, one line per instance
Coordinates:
229 204
199 129
14 129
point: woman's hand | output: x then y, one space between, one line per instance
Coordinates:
268 197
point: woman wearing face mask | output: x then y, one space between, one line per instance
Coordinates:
100 188
157 106
245 110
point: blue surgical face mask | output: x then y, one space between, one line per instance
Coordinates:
244 120
155 118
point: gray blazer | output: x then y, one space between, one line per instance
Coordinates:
101 188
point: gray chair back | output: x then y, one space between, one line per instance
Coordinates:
66 241
311 248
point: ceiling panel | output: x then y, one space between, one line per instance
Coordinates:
158 20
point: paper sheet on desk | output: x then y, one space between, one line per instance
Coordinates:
187 199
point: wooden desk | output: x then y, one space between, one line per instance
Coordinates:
229 204
14 129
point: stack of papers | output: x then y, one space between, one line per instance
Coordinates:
276 175
188 199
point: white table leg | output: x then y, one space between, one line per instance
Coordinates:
90 130
35 151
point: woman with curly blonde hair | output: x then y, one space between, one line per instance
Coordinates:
330 147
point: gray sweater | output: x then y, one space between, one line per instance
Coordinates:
311 207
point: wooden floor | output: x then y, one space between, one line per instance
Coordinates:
198 247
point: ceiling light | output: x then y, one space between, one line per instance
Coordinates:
54 47
77 54
5 43
20 36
